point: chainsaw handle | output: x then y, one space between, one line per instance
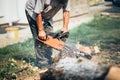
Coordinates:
61 35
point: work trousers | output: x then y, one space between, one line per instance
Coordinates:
42 51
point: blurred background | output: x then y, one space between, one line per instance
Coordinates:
13 11
92 23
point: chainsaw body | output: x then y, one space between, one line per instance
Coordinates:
57 41
53 42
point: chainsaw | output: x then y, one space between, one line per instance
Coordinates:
57 41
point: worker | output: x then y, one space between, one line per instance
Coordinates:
39 14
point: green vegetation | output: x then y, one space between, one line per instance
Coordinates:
25 48
18 48
101 31
15 57
19 51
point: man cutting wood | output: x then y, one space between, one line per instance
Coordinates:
39 14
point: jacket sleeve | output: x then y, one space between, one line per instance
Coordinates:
66 6
39 5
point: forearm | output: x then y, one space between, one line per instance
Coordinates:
39 22
66 16
41 32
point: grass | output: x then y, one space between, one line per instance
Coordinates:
21 49
13 56
101 31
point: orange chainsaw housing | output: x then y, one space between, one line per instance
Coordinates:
53 42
